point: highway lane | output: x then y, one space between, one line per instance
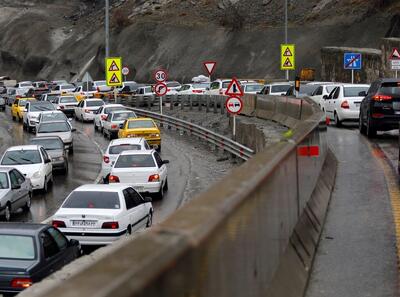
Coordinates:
192 168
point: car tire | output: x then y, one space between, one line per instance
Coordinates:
7 212
95 126
65 169
160 194
338 123
166 185
371 131
361 126
28 203
24 126
159 148
71 150
45 185
82 120
128 231
149 220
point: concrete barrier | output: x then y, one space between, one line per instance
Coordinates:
254 233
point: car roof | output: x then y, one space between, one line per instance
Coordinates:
285 83
21 228
52 111
136 152
102 187
354 85
93 100
132 140
27 147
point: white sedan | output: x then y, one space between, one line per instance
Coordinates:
144 170
100 214
85 111
33 162
102 113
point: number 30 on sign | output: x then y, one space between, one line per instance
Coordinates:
160 75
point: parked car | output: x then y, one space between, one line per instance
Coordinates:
380 109
18 108
194 89
218 87
15 192
144 170
63 89
101 86
116 147
85 110
31 252
54 147
48 97
114 121
102 113
276 89
142 127
32 111
145 91
343 104
66 104
101 214
33 162
58 128
252 88
318 95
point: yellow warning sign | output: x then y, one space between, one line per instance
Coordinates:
288 57
114 71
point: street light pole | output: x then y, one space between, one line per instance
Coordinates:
107 28
286 31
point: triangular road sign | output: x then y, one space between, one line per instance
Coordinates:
113 67
287 53
287 63
210 66
395 54
114 79
234 88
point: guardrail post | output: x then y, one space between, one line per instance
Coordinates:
190 102
172 102
222 104
200 101
183 101
207 103
215 103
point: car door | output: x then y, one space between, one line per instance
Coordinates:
51 254
67 253
139 208
48 168
22 184
162 168
26 110
16 192
329 103
133 212
98 115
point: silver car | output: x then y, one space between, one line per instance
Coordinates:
15 192
115 121
54 147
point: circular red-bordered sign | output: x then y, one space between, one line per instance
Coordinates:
125 70
234 105
161 89
160 75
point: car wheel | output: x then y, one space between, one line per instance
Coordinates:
71 150
82 120
337 121
65 170
13 118
7 212
46 185
95 126
371 131
149 220
166 185
128 231
23 126
28 203
104 132
361 126
158 149
160 194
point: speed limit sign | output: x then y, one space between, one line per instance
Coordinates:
160 75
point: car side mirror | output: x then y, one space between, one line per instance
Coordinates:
16 187
362 94
73 129
47 161
325 97
165 161
74 242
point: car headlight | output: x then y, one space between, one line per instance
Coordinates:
36 174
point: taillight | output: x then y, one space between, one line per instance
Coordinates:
58 224
110 225
113 126
21 282
154 178
345 105
380 97
113 179
378 115
197 91
106 159
61 106
103 117
87 110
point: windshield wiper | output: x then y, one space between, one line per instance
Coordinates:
12 159
27 160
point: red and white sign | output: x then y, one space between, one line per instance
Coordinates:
395 54
210 66
234 88
161 89
160 75
125 70
234 105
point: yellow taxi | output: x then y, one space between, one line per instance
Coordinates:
18 107
142 127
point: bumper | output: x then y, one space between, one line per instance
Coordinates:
386 123
88 116
146 187
154 142
37 183
348 115
93 237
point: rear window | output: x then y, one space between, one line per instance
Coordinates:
354 91
123 116
110 109
254 88
67 87
280 88
225 84
68 100
17 247
133 161
140 124
41 107
94 103
51 117
117 149
93 199
49 144
390 89
50 127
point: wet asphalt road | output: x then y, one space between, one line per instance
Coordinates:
188 171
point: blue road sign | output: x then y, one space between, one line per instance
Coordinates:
352 61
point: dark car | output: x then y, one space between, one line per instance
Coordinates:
54 146
31 252
380 109
2 104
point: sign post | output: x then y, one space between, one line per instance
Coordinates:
352 61
288 58
161 89
395 60
210 67
234 105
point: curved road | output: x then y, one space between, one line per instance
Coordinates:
192 168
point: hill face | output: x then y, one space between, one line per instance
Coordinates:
60 39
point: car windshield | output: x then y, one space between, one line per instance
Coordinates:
50 97
254 88
354 91
49 144
68 100
329 89
141 124
51 117
93 199
307 89
117 149
121 116
26 85
134 161
280 88
21 157
108 110
22 103
16 247
3 180
94 103
225 84
67 86
41 107
392 88
50 127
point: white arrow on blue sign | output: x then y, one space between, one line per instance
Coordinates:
352 61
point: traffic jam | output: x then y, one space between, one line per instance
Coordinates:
133 173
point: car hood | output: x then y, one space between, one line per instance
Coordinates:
15 266
27 169
33 114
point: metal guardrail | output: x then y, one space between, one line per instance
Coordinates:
223 142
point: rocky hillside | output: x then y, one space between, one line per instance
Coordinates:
61 39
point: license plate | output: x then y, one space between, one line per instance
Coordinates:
83 223
139 189
396 105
